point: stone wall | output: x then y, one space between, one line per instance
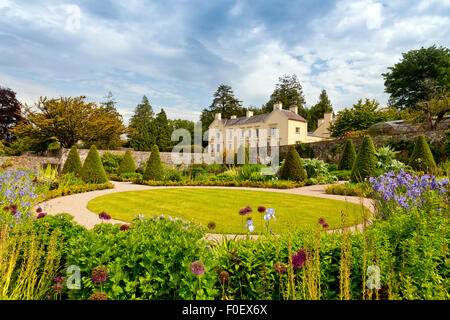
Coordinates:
27 162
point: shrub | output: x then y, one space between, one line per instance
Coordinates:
292 168
365 162
92 170
73 162
422 158
172 175
131 175
127 164
111 162
341 174
348 156
154 169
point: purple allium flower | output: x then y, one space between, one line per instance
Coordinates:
248 210
261 209
197 268
224 276
98 296
57 287
124 227
321 220
211 225
99 274
102 214
242 212
300 258
41 215
35 180
6 208
39 210
325 225
107 217
279 268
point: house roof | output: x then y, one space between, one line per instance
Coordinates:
260 118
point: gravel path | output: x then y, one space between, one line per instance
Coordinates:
76 204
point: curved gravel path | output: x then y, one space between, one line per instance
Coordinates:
76 204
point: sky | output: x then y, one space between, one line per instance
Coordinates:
177 52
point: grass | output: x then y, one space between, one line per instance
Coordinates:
222 206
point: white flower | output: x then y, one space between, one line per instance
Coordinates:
251 228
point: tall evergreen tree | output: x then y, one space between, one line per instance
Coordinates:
163 130
318 110
289 92
142 134
10 113
225 103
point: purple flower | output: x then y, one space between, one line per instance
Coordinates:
124 227
98 296
300 258
325 225
39 210
41 215
242 212
321 220
197 268
279 268
261 209
224 276
99 274
248 210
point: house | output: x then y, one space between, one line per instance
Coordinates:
323 125
277 128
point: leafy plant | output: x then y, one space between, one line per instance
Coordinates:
292 168
127 164
422 158
348 156
73 162
154 169
92 170
365 162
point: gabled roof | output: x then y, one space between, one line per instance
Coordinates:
260 118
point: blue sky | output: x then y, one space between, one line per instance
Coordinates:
177 52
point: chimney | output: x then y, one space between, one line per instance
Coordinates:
233 117
218 116
249 114
320 121
328 117
294 109
277 105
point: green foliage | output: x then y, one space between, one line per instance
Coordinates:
154 169
386 159
341 174
366 161
317 172
348 156
73 162
127 164
304 150
405 82
142 131
163 130
422 158
92 170
172 175
292 168
150 261
111 162
360 117
447 143
318 110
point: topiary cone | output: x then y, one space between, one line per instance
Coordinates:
421 158
127 164
365 162
348 156
154 169
92 170
292 168
73 161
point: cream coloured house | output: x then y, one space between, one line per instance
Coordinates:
277 128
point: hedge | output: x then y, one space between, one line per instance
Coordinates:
127 164
348 156
92 170
366 161
73 162
422 158
154 169
292 168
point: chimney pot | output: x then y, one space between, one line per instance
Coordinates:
249 114
233 117
277 105
294 109
218 116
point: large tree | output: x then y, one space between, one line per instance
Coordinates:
359 117
406 82
69 120
142 135
10 113
224 102
163 131
318 110
289 92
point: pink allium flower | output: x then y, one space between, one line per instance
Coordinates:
279 268
124 227
98 296
197 268
99 274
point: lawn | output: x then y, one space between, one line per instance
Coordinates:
222 206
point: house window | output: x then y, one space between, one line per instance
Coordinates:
278 143
297 130
230 134
218 135
257 133
218 148
242 133
249 133
212 148
272 132
229 146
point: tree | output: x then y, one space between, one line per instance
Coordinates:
73 162
127 164
405 82
142 135
69 120
10 113
318 110
421 157
360 117
431 111
289 92
154 169
163 131
365 162
224 102
182 124
348 156
92 170
292 168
